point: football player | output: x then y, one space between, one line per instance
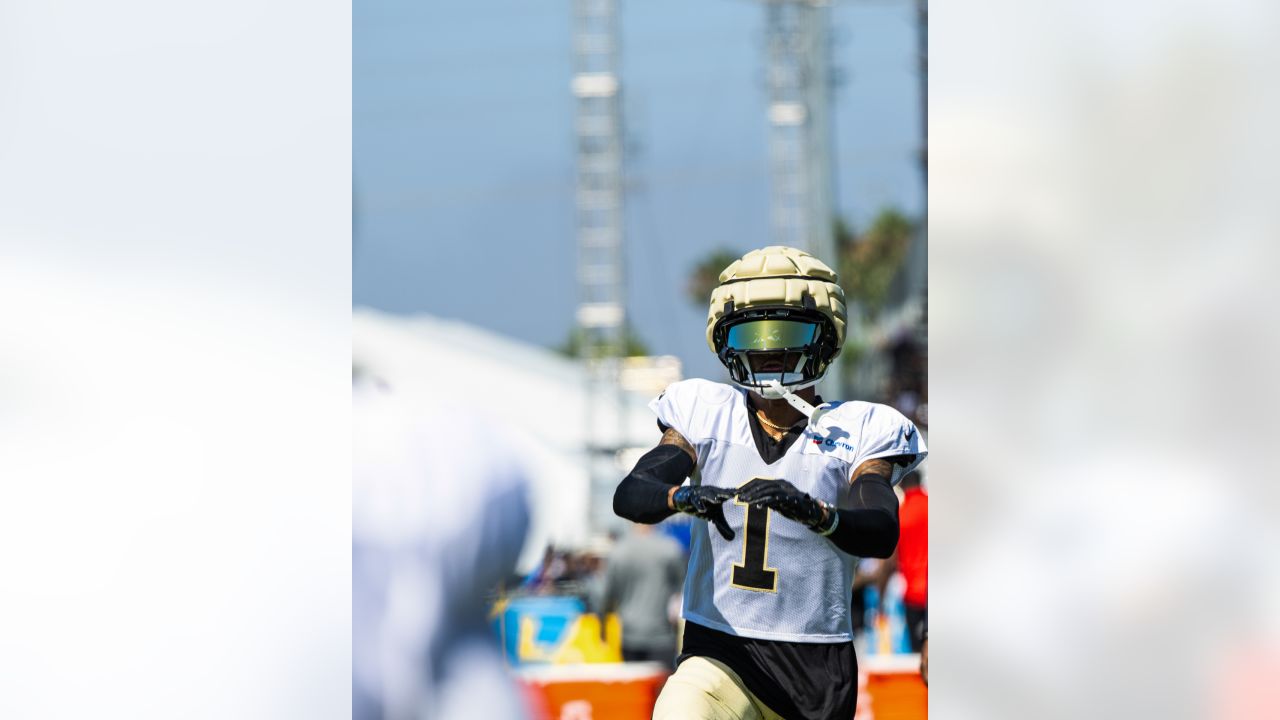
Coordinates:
794 487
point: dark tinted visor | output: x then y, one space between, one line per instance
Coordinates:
771 335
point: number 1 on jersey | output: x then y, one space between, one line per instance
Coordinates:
752 573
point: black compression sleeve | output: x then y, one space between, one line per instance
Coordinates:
642 495
870 529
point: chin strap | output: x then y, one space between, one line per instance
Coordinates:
799 403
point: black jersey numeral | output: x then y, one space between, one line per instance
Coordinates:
753 573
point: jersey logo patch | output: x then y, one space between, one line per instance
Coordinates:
829 442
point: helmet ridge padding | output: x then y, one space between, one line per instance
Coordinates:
783 283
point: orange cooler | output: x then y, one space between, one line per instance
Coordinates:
595 691
890 688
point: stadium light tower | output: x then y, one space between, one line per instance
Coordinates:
918 260
798 75
601 315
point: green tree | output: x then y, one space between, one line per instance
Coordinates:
868 263
705 276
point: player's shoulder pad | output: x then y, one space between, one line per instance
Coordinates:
859 431
691 406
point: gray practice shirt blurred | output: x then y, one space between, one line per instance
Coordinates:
644 571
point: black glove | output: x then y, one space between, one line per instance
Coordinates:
787 499
703 501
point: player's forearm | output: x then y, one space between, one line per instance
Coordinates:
644 494
870 529
642 500
866 533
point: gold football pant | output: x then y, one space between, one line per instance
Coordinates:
706 689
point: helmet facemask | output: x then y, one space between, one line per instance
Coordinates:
789 346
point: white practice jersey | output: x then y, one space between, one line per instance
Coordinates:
777 579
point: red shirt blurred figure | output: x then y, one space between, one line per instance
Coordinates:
913 555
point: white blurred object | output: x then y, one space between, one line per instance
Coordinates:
536 392
174 495
439 516
1103 347
649 375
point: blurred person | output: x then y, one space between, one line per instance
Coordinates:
536 577
584 564
558 570
868 574
907 381
645 570
768 631
592 583
433 532
911 559
551 572
858 605
924 654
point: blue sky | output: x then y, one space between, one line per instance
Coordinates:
463 154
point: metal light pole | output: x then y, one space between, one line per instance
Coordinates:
798 73
601 315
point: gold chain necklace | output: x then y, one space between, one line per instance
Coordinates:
780 428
